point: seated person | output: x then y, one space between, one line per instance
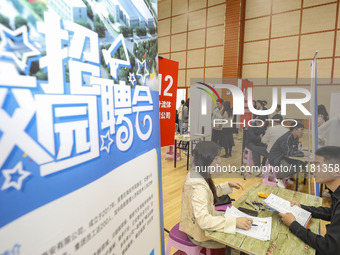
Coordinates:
269 138
327 158
199 195
254 134
283 148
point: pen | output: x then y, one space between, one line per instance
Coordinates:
254 225
250 205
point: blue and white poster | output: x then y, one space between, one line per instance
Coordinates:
79 128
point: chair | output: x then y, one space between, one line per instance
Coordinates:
247 156
170 152
180 241
269 176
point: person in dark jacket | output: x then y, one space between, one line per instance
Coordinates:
261 106
185 117
285 146
254 135
326 160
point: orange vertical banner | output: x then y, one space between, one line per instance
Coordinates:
247 114
168 75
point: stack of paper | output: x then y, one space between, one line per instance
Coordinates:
283 206
261 231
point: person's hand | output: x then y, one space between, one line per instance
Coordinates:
295 203
306 153
244 223
235 185
287 218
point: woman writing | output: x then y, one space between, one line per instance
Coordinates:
199 195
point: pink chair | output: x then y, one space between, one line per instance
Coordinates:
170 152
248 156
269 175
180 241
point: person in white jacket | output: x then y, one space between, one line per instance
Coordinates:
199 195
269 138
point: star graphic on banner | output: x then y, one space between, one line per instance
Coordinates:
17 170
132 79
14 44
107 146
115 63
146 72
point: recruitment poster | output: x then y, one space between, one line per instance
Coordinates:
79 128
168 75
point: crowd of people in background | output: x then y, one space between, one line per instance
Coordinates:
277 145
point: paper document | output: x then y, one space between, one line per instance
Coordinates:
263 229
283 206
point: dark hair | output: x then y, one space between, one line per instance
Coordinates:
331 154
322 111
203 155
260 102
227 108
278 118
299 125
279 107
182 102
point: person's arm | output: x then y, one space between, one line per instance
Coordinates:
294 149
323 213
284 146
323 130
287 148
296 153
223 189
185 113
206 221
329 244
265 139
252 137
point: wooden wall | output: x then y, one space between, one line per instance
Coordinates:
192 33
269 42
280 38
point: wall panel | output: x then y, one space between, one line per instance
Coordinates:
192 33
293 30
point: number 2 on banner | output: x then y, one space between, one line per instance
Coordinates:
168 77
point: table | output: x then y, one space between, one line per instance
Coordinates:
286 242
187 138
182 138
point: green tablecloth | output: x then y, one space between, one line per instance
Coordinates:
286 242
